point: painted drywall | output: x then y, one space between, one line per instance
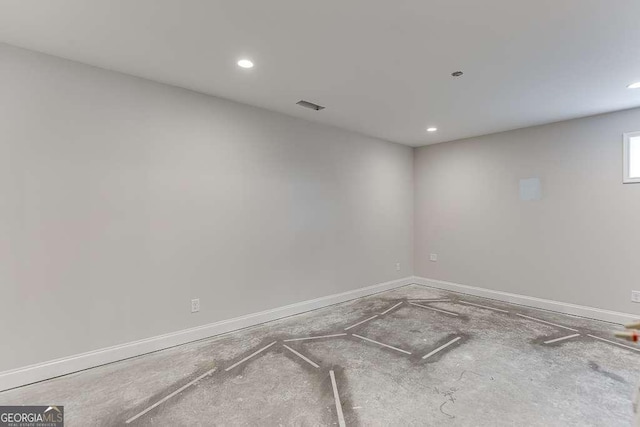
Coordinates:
122 199
578 243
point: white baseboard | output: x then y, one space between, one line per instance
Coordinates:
544 304
55 368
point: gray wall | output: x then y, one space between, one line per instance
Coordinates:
579 244
122 199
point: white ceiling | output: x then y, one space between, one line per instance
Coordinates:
381 67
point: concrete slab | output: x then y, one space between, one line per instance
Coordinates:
505 369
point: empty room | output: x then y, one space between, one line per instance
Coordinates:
319 213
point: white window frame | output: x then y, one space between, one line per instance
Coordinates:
627 160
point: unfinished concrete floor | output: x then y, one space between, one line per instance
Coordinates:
493 365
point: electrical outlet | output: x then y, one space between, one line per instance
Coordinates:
398 266
635 296
433 257
195 305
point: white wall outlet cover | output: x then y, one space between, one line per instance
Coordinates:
635 296
398 266
530 189
195 305
433 257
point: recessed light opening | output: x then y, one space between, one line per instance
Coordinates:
245 63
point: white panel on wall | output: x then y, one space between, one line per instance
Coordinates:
530 189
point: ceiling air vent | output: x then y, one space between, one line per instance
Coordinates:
311 105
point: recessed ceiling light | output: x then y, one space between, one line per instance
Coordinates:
635 85
432 129
245 63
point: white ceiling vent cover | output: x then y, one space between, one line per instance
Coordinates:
310 105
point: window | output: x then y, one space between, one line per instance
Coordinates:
632 157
